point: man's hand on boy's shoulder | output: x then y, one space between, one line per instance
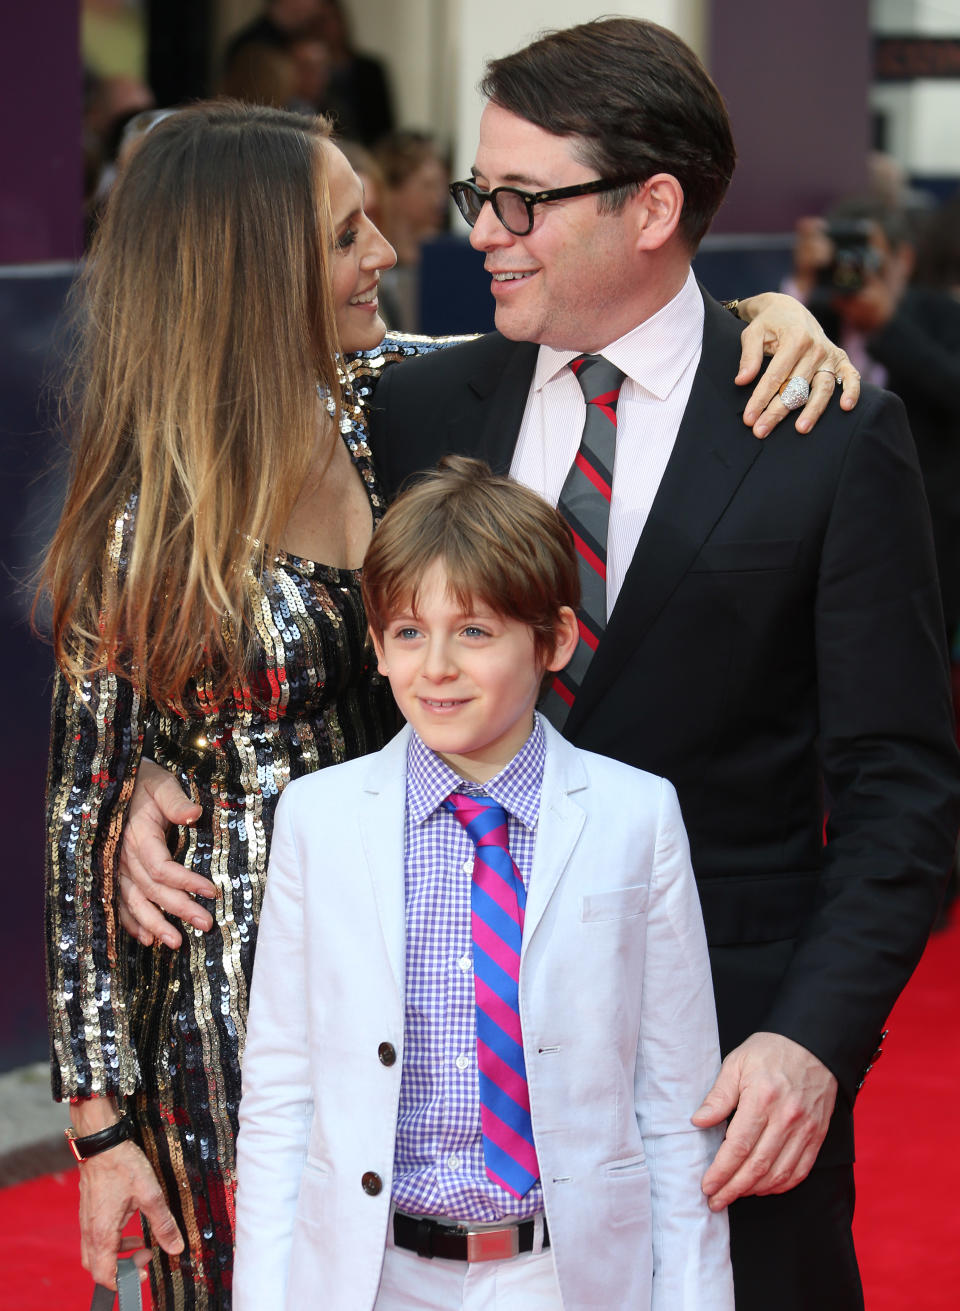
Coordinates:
783 1098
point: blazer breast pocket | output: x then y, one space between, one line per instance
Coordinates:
746 557
618 904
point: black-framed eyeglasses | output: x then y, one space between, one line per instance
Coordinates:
514 208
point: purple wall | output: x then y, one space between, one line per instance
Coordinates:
41 196
795 82
41 156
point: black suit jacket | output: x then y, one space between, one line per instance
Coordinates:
778 631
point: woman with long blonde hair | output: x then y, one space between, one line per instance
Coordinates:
204 588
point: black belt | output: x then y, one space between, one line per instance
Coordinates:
430 1238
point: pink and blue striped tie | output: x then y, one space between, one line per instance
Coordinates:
497 902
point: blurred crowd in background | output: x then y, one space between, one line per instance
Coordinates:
298 55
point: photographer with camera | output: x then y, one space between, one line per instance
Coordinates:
853 268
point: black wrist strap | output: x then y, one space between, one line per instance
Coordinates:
92 1144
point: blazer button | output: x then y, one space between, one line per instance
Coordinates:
371 1184
387 1053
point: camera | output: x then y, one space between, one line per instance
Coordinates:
854 258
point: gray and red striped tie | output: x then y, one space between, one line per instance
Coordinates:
585 504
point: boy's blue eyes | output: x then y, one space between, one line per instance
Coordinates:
470 630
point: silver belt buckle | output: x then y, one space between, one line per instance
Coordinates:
493 1244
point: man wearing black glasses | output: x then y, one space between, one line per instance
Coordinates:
771 629
516 208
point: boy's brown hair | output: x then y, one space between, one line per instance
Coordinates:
499 542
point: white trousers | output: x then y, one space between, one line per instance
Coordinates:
527 1282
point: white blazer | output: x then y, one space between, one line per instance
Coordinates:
619 1032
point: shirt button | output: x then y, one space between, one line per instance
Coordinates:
464 964
462 1062
467 866
387 1053
453 1161
371 1183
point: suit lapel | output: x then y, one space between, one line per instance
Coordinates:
560 825
502 387
380 816
711 457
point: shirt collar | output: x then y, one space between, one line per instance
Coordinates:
517 787
654 354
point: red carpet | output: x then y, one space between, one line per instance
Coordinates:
907 1223
908 1214
40 1247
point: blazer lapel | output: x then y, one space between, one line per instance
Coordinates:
380 816
502 387
711 457
561 823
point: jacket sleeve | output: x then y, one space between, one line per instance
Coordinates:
677 1061
889 758
95 744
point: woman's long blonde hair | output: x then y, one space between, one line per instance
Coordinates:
207 323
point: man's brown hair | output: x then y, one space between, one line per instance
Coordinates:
637 101
499 542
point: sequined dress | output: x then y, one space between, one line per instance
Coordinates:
164 1029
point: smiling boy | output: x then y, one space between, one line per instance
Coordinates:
482 1014
465 677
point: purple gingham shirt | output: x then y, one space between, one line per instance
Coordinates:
438 1166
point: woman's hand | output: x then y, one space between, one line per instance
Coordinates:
781 327
150 882
114 1186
